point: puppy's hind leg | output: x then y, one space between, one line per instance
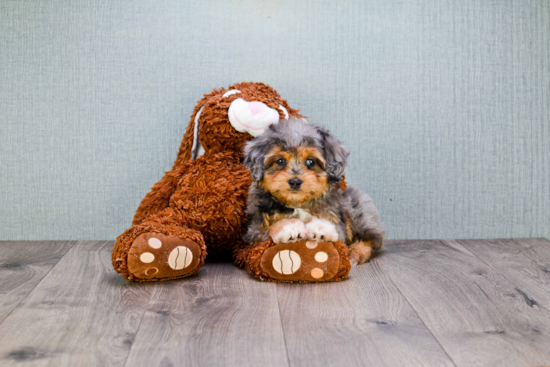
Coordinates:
366 229
360 252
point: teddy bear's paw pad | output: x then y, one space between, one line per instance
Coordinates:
286 262
304 261
155 256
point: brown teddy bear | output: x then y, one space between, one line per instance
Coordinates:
198 207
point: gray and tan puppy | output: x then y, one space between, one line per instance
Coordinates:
296 194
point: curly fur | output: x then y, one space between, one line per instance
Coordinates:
203 199
353 212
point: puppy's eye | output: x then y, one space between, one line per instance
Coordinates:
281 162
310 163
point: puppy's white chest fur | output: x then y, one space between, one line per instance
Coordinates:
302 214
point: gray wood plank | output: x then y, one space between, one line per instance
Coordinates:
362 321
106 246
22 267
81 314
524 262
221 317
478 316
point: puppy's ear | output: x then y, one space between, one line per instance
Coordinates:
336 156
254 154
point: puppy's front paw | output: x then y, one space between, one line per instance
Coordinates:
287 230
321 230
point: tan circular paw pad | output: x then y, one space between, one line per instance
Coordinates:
286 262
180 258
321 257
317 273
146 257
311 244
158 256
154 242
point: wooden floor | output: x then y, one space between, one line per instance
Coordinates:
421 303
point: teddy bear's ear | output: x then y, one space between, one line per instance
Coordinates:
190 143
336 156
254 153
197 149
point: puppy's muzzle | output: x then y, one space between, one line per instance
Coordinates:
295 183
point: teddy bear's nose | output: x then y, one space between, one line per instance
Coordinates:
257 107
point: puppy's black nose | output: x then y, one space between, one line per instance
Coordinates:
295 183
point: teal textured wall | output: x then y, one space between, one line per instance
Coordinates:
444 104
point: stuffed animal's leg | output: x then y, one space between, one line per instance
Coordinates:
366 229
159 248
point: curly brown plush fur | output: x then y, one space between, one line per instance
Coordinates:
202 200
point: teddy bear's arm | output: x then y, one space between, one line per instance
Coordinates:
158 198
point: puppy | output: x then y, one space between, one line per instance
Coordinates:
298 192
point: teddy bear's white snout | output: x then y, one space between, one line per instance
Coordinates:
252 117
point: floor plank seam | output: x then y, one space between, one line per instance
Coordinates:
513 284
418 315
41 280
136 334
282 326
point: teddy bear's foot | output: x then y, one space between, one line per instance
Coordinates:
155 256
303 261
